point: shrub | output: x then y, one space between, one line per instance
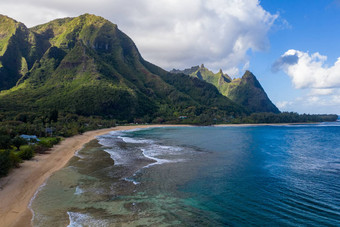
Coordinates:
5 142
5 163
14 159
26 153
55 140
40 149
45 143
49 142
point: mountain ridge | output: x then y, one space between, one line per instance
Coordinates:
87 66
245 91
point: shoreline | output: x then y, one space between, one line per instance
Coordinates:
19 188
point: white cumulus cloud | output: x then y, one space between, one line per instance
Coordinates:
319 81
169 33
309 70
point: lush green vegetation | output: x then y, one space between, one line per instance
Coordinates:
7 161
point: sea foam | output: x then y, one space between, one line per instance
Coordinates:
79 219
79 155
131 140
117 156
78 191
33 198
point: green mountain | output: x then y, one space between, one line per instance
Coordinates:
87 66
246 91
18 51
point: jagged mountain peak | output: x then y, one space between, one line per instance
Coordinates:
247 73
246 91
249 77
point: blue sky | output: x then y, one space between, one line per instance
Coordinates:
292 46
307 26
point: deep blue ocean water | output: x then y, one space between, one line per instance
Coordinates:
199 176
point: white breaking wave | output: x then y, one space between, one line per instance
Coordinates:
117 156
109 141
33 198
78 191
80 220
157 152
106 141
131 180
131 140
153 152
149 153
79 155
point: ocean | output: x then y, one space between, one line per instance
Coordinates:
199 176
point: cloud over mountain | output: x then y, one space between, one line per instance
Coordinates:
176 33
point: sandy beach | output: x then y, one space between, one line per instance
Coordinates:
19 187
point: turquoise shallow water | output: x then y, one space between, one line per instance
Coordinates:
199 176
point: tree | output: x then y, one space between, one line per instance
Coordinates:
19 141
54 116
5 142
27 153
5 163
